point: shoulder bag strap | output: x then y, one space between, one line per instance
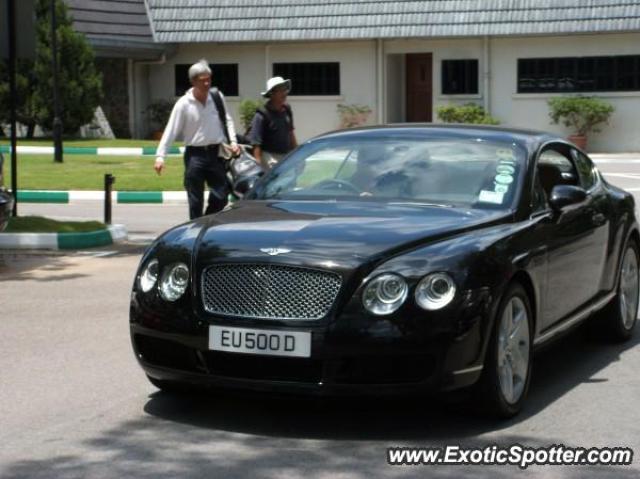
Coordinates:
222 112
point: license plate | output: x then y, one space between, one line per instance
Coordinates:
260 341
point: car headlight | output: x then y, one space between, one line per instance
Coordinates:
435 291
174 282
385 294
149 275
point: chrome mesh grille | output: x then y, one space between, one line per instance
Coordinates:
268 291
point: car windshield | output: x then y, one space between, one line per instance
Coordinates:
449 172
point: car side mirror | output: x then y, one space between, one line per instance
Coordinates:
566 195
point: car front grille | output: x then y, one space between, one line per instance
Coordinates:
268 291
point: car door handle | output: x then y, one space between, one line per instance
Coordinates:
599 219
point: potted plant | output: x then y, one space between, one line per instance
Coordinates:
247 111
468 113
159 111
580 113
353 115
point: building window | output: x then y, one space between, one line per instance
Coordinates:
224 76
311 78
579 74
459 77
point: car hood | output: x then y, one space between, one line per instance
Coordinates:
345 233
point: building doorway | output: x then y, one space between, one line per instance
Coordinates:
419 68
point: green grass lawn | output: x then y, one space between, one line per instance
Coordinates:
86 172
83 142
132 173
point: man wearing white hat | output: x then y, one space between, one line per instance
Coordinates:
272 131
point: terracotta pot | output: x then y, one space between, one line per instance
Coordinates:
579 140
156 135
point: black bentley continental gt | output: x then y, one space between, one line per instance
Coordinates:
392 259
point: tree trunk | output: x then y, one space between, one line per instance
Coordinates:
30 130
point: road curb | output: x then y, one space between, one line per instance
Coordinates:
47 196
78 150
113 234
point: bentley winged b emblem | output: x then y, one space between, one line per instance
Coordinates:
275 251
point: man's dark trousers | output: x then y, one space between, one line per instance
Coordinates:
201 164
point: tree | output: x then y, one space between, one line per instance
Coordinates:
79 82
25 108
583 114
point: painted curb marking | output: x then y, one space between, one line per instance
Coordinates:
83 150
26 196
33 196
84 240
139 197
113 234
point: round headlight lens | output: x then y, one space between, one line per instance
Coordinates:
149 275
435 291
385 294
174 282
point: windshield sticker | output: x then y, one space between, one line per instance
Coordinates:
504 179
505 169
494 197
505 174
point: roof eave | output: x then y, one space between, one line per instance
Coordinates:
133 49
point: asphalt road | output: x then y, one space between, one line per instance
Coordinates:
74 404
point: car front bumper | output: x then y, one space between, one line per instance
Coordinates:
352 355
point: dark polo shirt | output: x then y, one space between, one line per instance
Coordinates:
272 134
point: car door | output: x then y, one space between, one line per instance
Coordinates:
598 207
576 237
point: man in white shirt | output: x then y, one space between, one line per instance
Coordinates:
198 119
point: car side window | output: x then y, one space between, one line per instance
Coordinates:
586 170
562 162
538 198
556 168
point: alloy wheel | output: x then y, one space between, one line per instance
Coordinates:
513 350
629 293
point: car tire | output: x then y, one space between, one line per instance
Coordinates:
618 319
507 371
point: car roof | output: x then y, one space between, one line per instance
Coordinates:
530 139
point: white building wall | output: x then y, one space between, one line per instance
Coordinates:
531 111
250 60
312 114
450 49
395 89
318 114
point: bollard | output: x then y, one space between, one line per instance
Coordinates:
109 180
